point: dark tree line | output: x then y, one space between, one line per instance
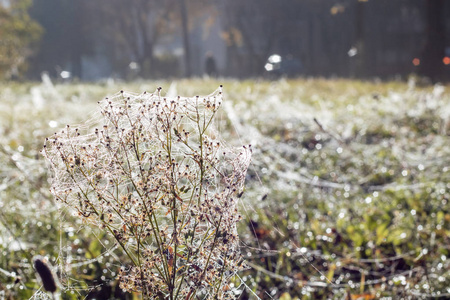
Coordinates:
124 31
66 35
346 38
434 49
330 37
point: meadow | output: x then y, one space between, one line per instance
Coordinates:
346 197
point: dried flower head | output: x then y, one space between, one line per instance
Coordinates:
153 171
42 267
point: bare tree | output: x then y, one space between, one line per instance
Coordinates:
254 29
132 28
434 50
18 33
185 33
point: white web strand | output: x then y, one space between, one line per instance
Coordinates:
257 136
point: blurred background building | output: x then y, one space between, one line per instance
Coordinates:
129 39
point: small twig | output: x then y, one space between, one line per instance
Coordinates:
336 137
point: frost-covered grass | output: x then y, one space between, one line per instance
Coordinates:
347 194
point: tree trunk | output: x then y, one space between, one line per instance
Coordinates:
184 26
434 51
77 40
360 38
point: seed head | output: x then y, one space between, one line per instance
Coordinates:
45 273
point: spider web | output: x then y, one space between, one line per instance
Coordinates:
248 134
101 131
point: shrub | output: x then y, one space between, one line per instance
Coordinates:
156 176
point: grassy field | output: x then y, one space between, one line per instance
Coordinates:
347 196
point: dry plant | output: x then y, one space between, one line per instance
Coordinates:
154 173
46 275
